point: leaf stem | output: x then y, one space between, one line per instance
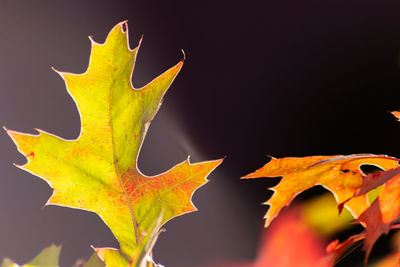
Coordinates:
128 202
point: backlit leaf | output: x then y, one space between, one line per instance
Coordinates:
383 212
98 171
339 174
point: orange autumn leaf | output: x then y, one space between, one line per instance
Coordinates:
371 185
339 174
374 180
378 219
382 214
396 114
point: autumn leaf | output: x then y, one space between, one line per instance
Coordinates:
375 180
352 188
339 174
289 242
396 114
384 211
382 214
337 249
98 171
376 224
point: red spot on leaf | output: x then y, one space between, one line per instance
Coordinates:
122 199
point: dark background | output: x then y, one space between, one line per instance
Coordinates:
281 78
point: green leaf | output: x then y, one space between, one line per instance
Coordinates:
98 171
48 257
93 261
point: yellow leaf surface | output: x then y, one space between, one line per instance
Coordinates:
98 171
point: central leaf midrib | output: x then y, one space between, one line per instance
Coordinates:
115 162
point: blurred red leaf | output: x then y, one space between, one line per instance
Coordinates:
289 242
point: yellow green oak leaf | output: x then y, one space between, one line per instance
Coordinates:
98 171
